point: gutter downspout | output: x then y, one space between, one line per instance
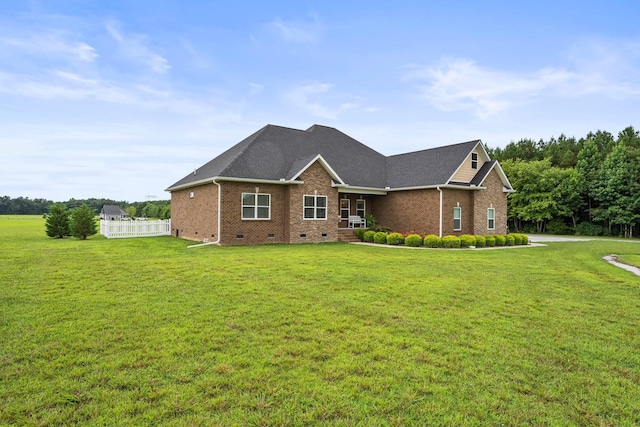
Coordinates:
440 191
217 241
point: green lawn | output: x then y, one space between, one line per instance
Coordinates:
148 332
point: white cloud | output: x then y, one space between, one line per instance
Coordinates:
135 46
297 32
459 84
455 84
51 43
319 99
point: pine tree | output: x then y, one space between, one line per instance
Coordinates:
57 221
83 222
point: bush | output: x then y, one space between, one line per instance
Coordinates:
500 240
480 242
490 240
359 232
395 239
451 242
525 239
372 222
380 237
517 238
588 229
509 240
368 236
467 240
413 240
557 226
432 241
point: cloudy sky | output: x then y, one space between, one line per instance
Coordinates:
120 99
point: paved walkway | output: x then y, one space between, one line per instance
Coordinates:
539 240
611 259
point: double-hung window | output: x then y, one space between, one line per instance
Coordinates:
315 207
360 208
256 206
345 205
474 160
491 219
457 218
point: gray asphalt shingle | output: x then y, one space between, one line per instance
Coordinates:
276 152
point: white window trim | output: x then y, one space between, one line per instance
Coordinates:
364 207
255 206
474 161
454 218
315 207
348 209
491 219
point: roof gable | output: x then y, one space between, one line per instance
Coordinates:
112 210
301 165
484 171
434 166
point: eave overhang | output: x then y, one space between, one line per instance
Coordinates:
281 181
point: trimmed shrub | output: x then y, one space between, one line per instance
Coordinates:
500 240
413 240
359 232
490 240
509 240
368 236
380 237
451 242
480 242
432 241
525 239
395 239
517 238
467 240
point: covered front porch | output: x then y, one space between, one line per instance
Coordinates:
353 208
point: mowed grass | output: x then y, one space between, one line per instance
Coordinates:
148 332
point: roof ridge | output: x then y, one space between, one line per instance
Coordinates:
442 147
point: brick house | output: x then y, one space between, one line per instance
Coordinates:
283 185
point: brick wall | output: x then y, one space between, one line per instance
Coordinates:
404 211
236 231
419 210
195 217
493 197
316 181
455 198
194 213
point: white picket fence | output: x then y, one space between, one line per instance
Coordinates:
123 229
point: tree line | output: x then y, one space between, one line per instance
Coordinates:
587 186
26 206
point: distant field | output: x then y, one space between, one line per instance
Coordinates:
148 332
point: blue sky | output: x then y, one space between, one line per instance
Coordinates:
120 99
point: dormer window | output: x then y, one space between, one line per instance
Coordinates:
474 160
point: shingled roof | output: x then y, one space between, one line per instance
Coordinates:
276 153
